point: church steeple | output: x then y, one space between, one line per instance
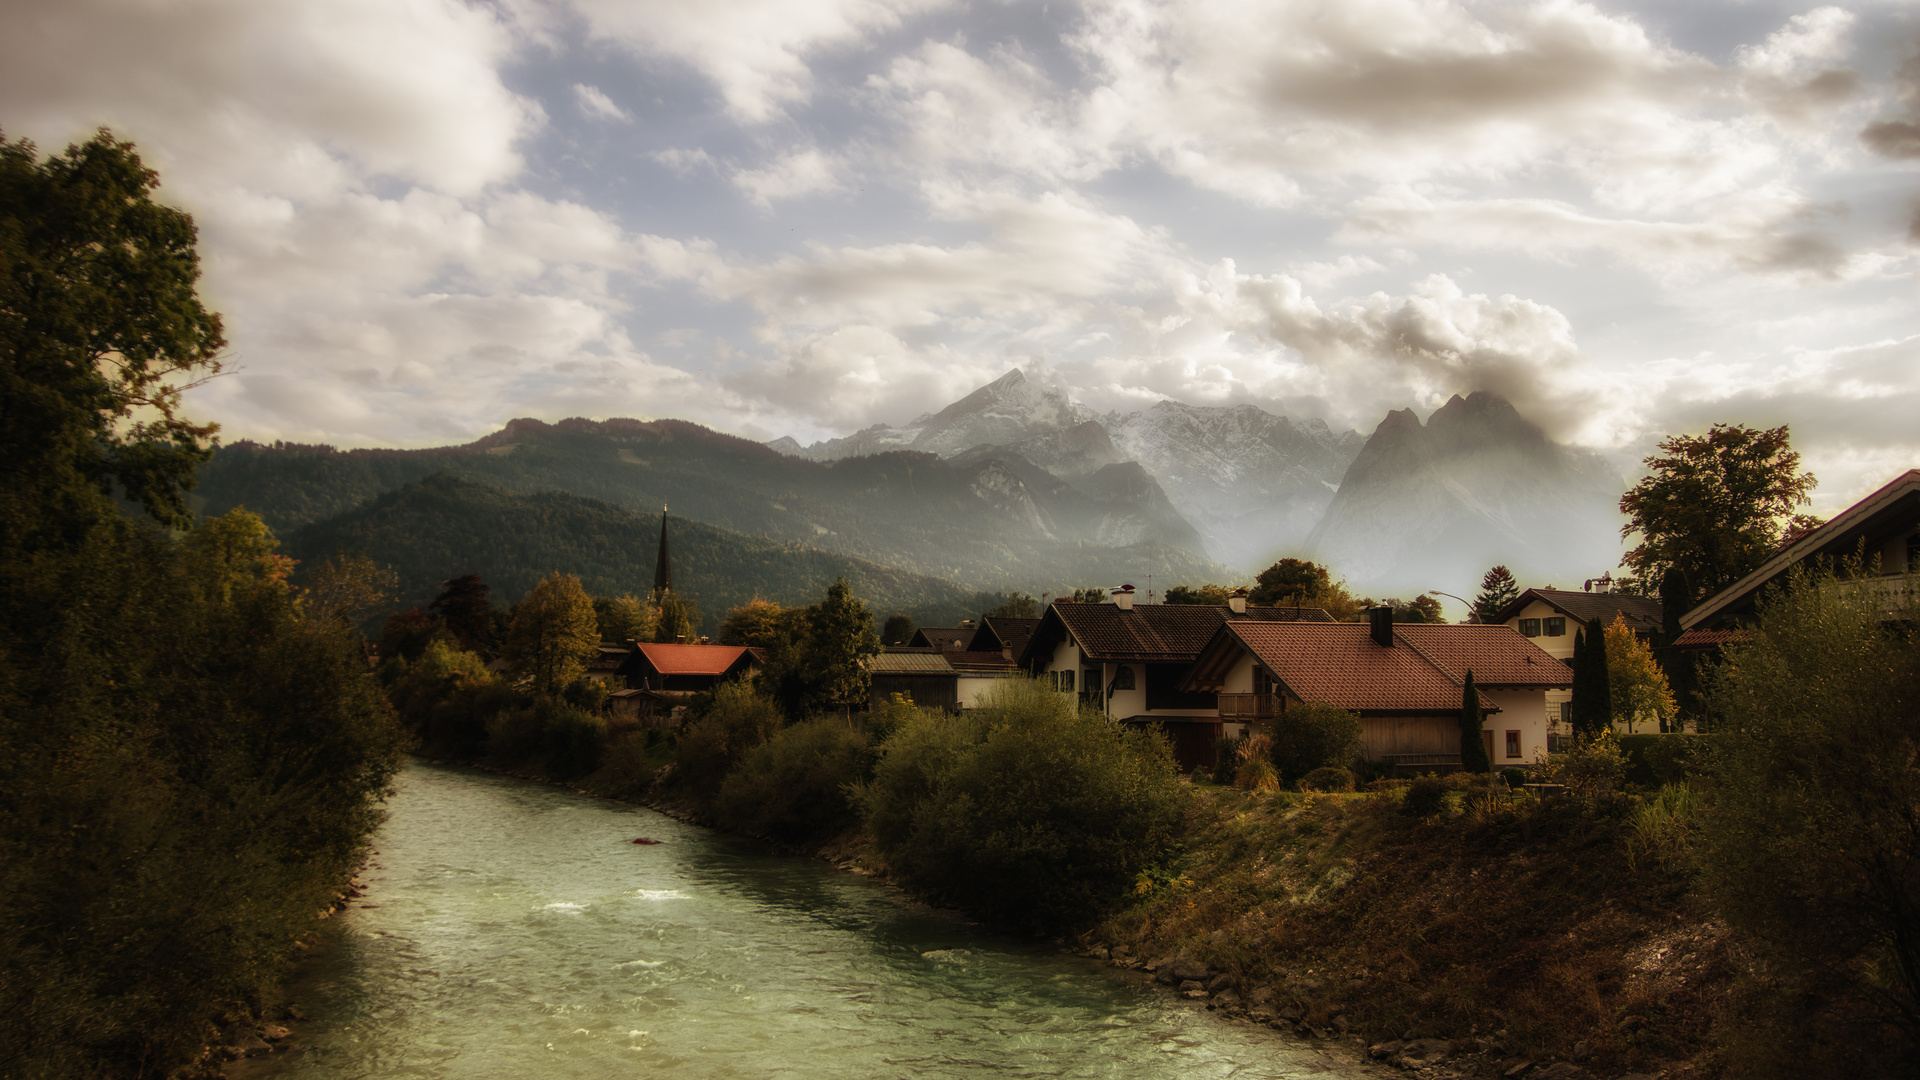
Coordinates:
662 574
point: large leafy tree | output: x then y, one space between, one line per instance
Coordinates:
1713 506
1299 581
822 661
554 633
100 331
463 604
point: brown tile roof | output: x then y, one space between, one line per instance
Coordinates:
978 662
1339 663
676 659
1159 632
910 662
1641 612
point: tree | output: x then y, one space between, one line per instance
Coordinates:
1091 595
1497 590
762 624
675 619
554 634
1216 595
898 630
406 634
1592 701
1637 691
1420 609
838 638
344 586
1017 605
1292 582
1812 842
1714 505
100 331
624 618
1473 745
463 605
1312 736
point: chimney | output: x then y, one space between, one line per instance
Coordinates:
1237 603
1123 598
1380 622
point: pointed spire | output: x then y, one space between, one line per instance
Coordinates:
662 576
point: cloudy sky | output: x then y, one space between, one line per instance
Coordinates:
424 217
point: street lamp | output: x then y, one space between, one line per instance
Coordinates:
1450 596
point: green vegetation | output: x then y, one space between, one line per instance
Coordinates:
1637 692
553 634
1813 843
1028 811
1311 736
191 751
1292 582
1592 696
1497 590
441 527
1473 747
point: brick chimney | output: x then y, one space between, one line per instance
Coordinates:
1123 598
1380 623
1237 603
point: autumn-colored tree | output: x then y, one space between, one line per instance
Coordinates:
1497 590
554 634
624 618
762 624
1636 689
1714 506
345 585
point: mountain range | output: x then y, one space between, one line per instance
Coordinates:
1015 486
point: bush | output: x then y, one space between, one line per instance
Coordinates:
1028 811
1256 774
1226 757
1426 796
1327 778
1658 831
1595 766
1312 736
1515 778
794 787
1810 842
736 719
1657 760
574 740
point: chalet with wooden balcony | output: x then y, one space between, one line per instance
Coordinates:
1404 681
1130 661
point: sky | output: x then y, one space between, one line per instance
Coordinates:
421 218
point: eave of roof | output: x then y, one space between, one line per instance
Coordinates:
692 659
1640 611
1835 538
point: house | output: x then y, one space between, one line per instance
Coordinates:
1884 527
920 672
975 673
1405 681
607 661
1130 661
943 638
1006 636
1550 618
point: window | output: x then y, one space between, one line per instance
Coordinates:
1513 744
1123 678
1262 680
1557 626
1529 627
1065 679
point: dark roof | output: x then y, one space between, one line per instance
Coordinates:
997 633
1641 612
942 637
1885 515
1340 664
1150 633
979 663
910 662
609 657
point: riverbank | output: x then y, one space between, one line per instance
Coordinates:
1517 940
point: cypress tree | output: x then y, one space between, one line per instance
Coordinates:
1473 748
1592 702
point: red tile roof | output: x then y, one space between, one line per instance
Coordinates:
691 659
1338 663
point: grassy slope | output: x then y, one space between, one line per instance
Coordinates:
442 527
1516 934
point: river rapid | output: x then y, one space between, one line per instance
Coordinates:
511 930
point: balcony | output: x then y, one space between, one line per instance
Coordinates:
1248 708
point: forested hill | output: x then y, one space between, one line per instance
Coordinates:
442 526
995 523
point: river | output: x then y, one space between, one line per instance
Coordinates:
512 930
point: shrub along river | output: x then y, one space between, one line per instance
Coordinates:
512 930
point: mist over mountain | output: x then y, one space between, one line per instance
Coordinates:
1432 506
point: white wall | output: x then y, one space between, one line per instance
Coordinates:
1524 711
1561 647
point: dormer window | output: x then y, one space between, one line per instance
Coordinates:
1531 627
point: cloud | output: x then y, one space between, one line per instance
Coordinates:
807 172
1794 75
754 51
595 103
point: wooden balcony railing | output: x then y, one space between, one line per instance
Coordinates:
1247 708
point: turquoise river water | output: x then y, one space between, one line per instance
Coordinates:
513 930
